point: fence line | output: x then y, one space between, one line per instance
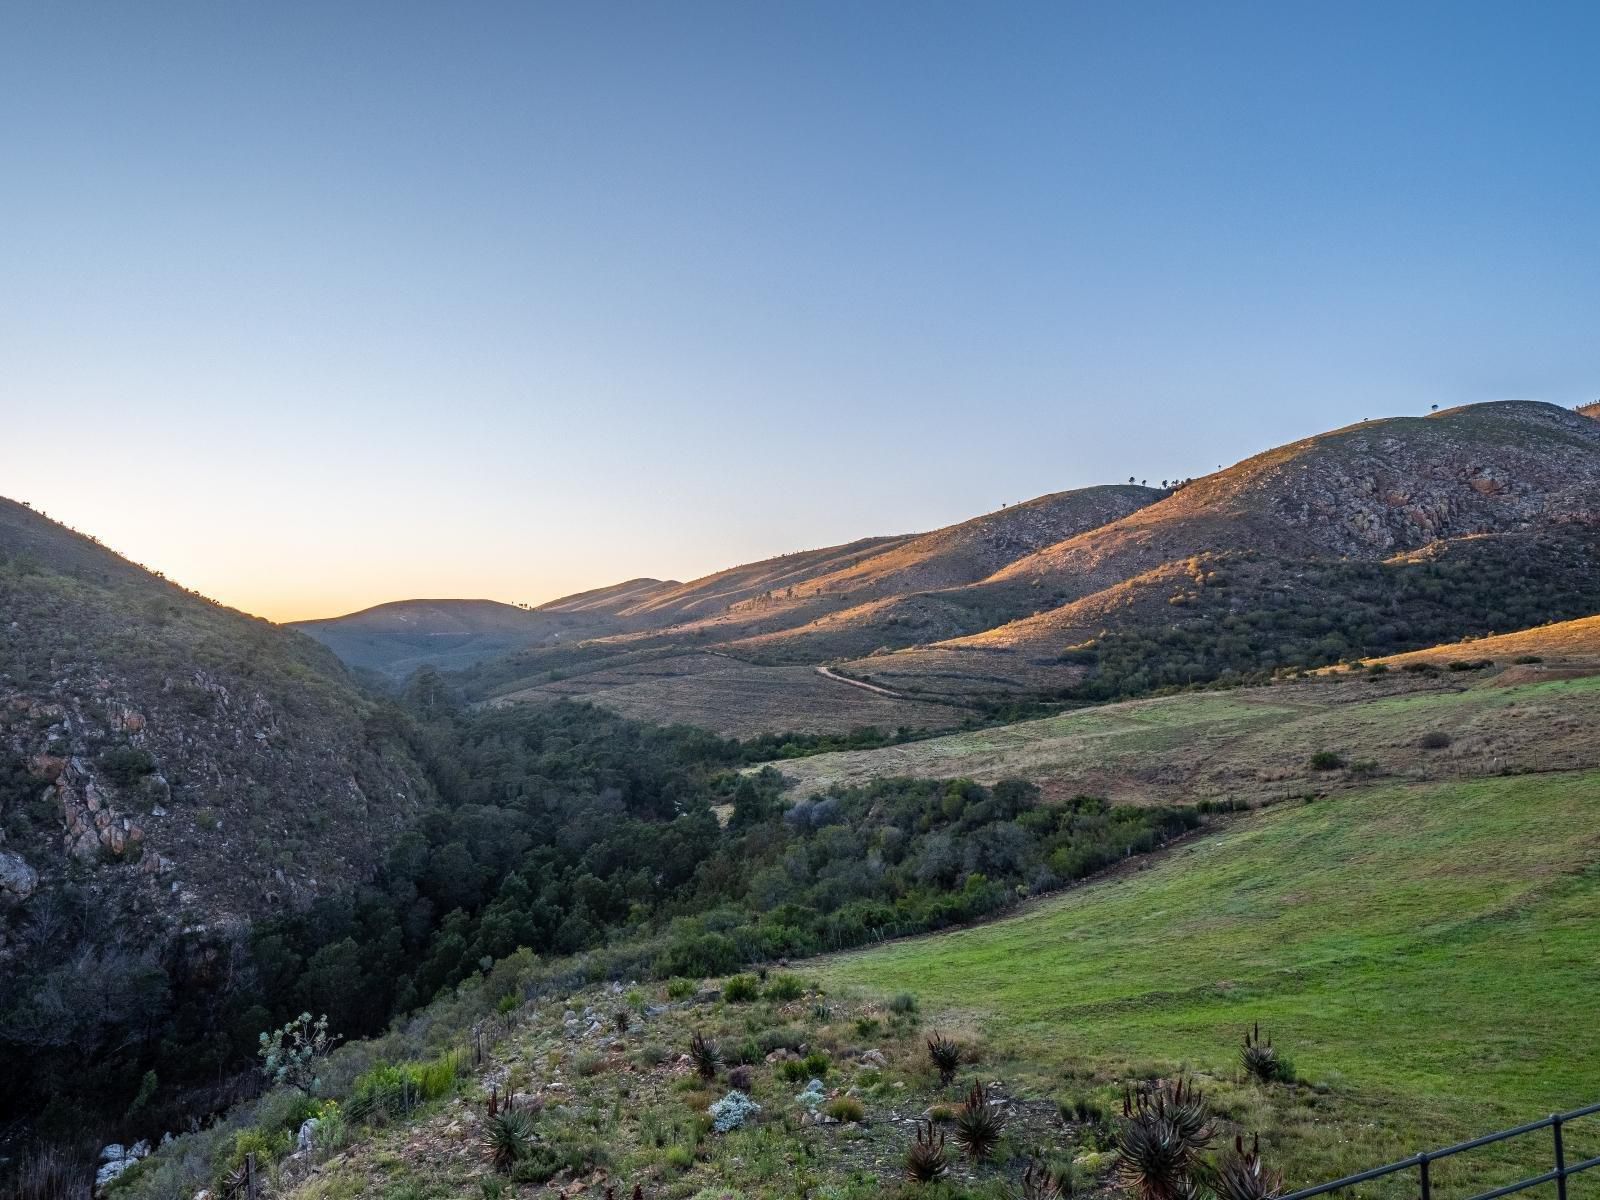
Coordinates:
1559 1174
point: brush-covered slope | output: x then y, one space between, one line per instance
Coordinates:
1559 646
165 763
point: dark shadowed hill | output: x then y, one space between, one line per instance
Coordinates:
168 767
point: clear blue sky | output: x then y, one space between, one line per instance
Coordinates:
315 305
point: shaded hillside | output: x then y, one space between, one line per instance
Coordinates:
166 764
395 639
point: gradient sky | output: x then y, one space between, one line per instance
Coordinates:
317 305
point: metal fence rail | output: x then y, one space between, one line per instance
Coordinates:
1558 1175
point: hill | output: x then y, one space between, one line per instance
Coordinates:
169 770
1474 490
395 639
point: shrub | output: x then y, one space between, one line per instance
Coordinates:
653 1054
780 1038
784 988
903 1002
1434 740
816 1063
293 1056
508 1136
845 1108
741 1079
741 989
946 1056
732 1111
1259 1058
1241 1176
1162 1135
679 988
925 1158
1475 664
979 1124
1327 760
1524 659
705 1055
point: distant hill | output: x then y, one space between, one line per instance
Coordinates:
1372 539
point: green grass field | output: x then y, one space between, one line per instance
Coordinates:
1430 953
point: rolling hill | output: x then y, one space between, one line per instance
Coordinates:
1374 539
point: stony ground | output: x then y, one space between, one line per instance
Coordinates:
620 1109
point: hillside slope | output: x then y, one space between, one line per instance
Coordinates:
166 764
1393 942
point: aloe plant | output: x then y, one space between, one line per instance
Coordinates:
1241 1176
1259 1057
925 1158
946 1056
1161 1137
979 1124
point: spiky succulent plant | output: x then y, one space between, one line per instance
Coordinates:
508 1136
946 1056
1258 1056
979 1124
1162 1134
925 1157
1039 1182
705 1055
1241 1176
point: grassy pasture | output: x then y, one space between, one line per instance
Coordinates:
1429 955
1256 744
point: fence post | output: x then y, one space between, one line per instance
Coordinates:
1423 1160
1561 1158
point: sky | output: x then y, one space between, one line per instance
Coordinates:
314 306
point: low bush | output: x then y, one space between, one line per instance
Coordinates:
1327 760
785 988
1434 740
741 989
845 1108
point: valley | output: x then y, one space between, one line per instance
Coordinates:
1088 783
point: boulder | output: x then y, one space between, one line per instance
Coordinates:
17 879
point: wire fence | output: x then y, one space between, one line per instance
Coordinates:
1422 1163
